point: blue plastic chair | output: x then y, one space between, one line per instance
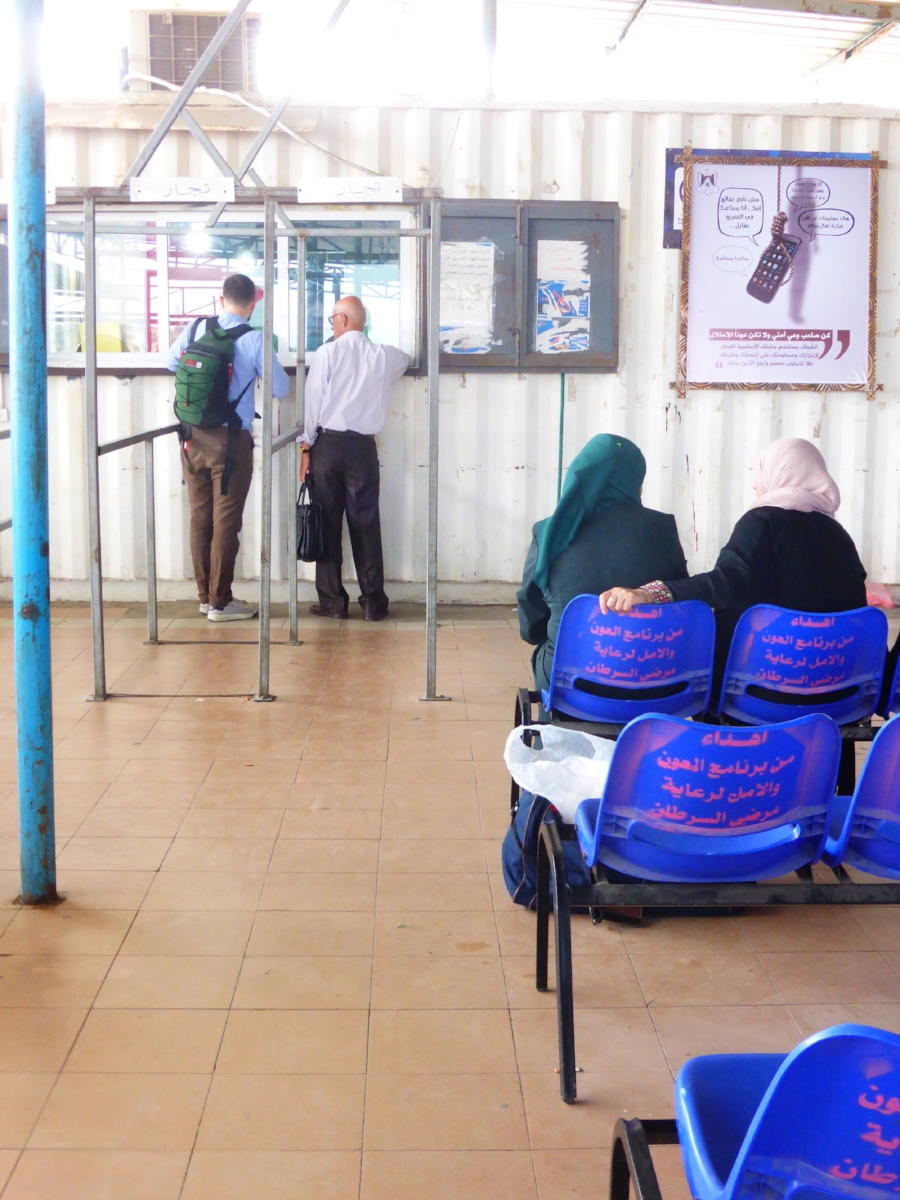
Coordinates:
657 658
866 826
783 663
892 702
821 1121
688 802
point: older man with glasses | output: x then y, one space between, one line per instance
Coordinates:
346 398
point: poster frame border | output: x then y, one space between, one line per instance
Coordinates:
787 158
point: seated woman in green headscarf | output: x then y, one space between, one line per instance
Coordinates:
599 535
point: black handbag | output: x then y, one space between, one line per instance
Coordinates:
310 542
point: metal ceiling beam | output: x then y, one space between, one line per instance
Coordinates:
863 9
336 15
208 146
842 56
206 59
641 8
250 157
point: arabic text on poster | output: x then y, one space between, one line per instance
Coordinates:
467 297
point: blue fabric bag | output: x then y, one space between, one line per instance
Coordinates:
519 852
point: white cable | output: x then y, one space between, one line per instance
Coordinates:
449 152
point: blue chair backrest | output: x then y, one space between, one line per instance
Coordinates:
783 663
870 837
685 801
657 658
829 1123
892 703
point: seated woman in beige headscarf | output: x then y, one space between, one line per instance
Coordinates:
787 549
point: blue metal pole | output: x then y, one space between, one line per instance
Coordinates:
28 428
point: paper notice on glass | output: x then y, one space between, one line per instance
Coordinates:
563 298
467 297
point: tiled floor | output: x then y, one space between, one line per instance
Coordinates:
288 969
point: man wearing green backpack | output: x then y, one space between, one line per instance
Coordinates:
216 363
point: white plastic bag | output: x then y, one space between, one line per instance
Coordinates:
571 767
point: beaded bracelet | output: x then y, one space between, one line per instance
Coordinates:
657 591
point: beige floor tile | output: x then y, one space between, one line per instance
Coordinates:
568 1174
614 1039
121 890
353 824
603 1097
431 823
148 1041
435 893
218 854
325 747
600 981
256 796
811 1018
444 1112
218 933
273 1174
729 1029
323 854
51 980
113 854
450 934
438 982
325 891
448 1175
822 978
205 891
704 977
313 982
177 795
121 1112
131 822
337 771
98 1175
283 1112
880 925
294 1042
177 981
312 933
8 1160
237 774
423 774
411 750
793 929
417 796
336 795
415 856
37 1039
231 823
22 1096
65 930
440 1042
160 770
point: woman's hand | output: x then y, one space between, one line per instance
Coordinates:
623 599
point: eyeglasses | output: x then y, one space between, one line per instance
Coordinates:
340 314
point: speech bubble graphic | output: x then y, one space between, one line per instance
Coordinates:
734 258
808 193
829 222
741 212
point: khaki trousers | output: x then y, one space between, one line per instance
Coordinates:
216 519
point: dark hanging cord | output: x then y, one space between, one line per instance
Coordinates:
779 221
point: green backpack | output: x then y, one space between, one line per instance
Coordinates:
202 379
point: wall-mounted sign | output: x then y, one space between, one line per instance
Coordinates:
778 273
362 189
182 190
49 193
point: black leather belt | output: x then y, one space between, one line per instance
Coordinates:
344 433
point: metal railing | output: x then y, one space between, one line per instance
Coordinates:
271 445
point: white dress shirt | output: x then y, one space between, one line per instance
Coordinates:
348 385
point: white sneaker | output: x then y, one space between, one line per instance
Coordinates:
204 609
235 610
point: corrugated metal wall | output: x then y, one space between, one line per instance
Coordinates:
499 432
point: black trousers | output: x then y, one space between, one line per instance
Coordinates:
346 479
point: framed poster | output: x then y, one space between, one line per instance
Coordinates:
778 278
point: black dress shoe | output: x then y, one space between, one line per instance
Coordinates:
377 616
339 614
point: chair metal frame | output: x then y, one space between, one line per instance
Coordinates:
603 894
631 1163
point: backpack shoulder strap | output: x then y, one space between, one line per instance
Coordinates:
238 331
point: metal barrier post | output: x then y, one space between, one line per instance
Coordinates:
294 457
150 506
93 460
265 547
28 380
433 353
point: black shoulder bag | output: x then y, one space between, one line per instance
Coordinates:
310 544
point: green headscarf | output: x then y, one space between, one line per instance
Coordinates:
609 470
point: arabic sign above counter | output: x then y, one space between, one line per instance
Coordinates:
363 189
182 190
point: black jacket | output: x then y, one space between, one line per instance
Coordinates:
624 545
777 556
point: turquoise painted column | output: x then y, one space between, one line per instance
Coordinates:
28 436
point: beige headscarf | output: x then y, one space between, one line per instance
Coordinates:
792 474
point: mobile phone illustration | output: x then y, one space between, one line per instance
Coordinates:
773 267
